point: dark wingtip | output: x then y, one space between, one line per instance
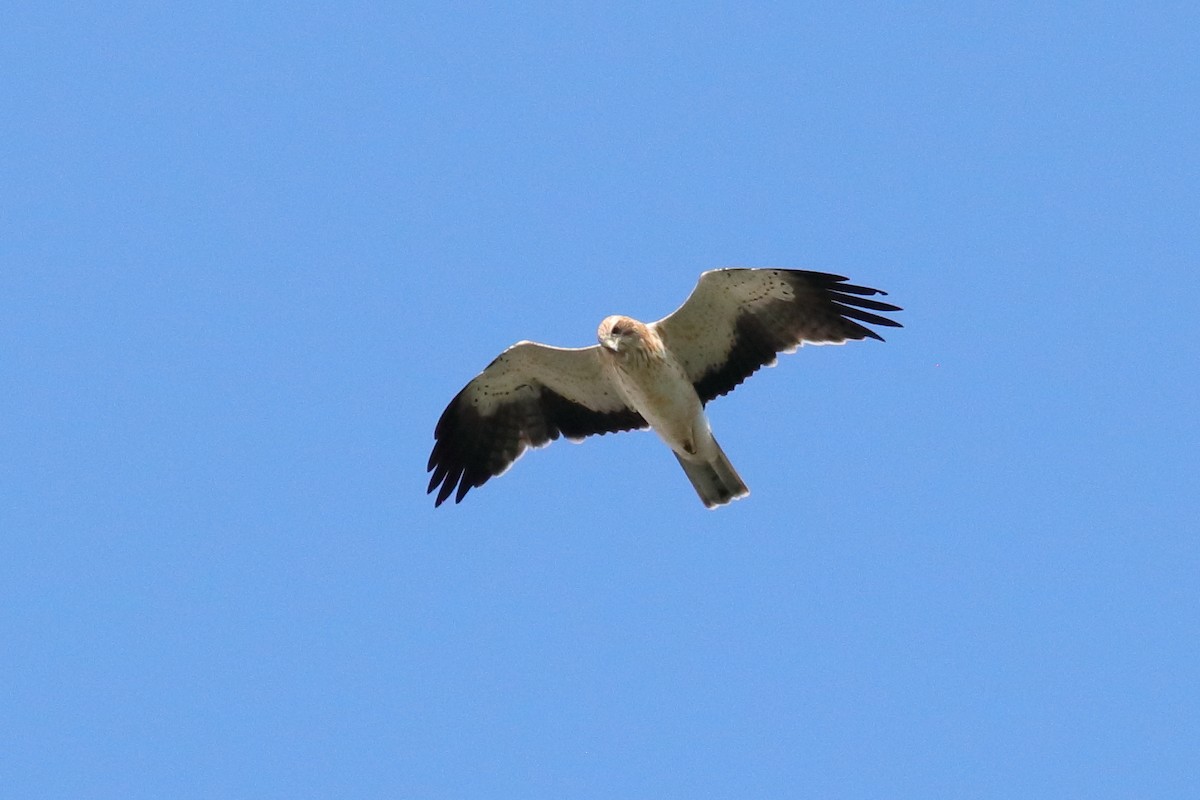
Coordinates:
851 288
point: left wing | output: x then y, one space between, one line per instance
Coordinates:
737 320
529 395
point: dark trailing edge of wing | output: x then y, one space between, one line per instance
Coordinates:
760 336
470 447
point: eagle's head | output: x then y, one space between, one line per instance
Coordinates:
628 340
620 335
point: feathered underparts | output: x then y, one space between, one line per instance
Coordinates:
655 383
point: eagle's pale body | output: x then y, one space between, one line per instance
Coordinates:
658 375
657 385
654 383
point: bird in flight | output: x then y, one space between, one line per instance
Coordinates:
657 375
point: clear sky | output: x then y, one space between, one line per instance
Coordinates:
248 252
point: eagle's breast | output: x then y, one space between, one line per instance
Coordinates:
657 386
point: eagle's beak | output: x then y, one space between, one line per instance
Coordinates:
610 342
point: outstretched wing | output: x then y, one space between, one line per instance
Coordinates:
527 397
737 320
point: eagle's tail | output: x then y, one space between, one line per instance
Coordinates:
716 481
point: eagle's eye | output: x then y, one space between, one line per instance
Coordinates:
617 330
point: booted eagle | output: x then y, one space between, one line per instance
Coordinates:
658 375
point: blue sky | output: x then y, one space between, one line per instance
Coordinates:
249 254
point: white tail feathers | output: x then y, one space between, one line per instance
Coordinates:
716 481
